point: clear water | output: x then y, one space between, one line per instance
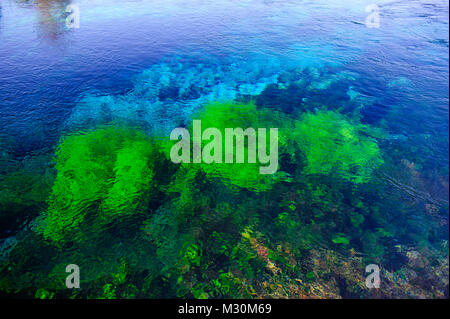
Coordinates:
128 60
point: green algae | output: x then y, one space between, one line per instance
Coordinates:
334 145
341 239
235 115
229 115
100 175
24 192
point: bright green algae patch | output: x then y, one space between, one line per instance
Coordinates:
234 115
333 144
100 174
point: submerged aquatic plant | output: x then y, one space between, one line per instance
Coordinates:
100 174
199 237
246 174
333 144
330 143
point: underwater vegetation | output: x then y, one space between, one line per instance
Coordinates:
170 93
102 175
221 116
140 226
24 190
355 154
332 144
167 94
361 175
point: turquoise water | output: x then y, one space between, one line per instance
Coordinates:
153 66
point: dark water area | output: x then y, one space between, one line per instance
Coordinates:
371 187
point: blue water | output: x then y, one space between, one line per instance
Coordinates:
128 56
45 67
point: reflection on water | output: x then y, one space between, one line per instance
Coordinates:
51 16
